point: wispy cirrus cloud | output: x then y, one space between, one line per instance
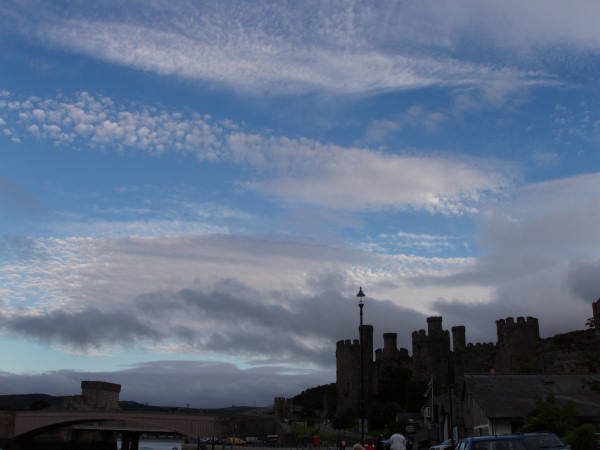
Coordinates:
297 170
280 48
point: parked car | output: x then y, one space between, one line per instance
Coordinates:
234 441
508 442
446 445
544 440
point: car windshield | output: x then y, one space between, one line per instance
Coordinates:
544 441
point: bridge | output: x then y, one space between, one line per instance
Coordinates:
35 422
24 425
95 415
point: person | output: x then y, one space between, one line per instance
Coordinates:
358 447
397 442
379 443
369 446
316 442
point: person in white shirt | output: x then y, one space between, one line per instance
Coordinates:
397 442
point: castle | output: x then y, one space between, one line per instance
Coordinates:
519 348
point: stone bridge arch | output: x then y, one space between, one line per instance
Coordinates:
192 425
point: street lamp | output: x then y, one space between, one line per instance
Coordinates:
360 296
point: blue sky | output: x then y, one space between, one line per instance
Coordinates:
191 193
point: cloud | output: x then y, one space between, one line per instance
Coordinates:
80 330
541 258
199 383
295 171
280 48
285 302
269 299
356 179
583 280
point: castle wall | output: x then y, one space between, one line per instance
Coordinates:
475 358
574 352
519 348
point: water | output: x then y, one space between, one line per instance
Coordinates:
155 445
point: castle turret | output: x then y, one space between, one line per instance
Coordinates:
459 341
434 325
516 343
390 344
430 353
348 370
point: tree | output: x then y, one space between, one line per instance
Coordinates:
39 404
548 415
343 421
396 384
582 437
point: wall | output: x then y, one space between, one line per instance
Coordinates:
519 348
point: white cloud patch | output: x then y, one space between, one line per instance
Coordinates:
278 47
356 179
295 170
202 294
541 255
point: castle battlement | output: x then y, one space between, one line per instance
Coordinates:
481 345
347 345
521 321
518 348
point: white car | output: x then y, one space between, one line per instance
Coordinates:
446 445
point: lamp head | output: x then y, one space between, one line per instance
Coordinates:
360 296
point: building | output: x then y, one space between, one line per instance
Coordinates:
437 357
497 403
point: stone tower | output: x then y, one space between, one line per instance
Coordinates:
517 343
431 352
95 395
459 340
347 358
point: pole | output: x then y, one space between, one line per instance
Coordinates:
450 399
362 381
360 296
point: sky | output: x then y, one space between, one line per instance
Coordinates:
192 192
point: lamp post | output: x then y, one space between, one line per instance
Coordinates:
360 296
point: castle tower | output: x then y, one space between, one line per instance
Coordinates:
390 345
434 325
100 395
459 341
517 343
348 371
431 352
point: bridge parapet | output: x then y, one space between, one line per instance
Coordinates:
33 422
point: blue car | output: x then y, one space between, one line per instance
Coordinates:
509 442
544 440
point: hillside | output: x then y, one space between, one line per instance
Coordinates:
29 402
